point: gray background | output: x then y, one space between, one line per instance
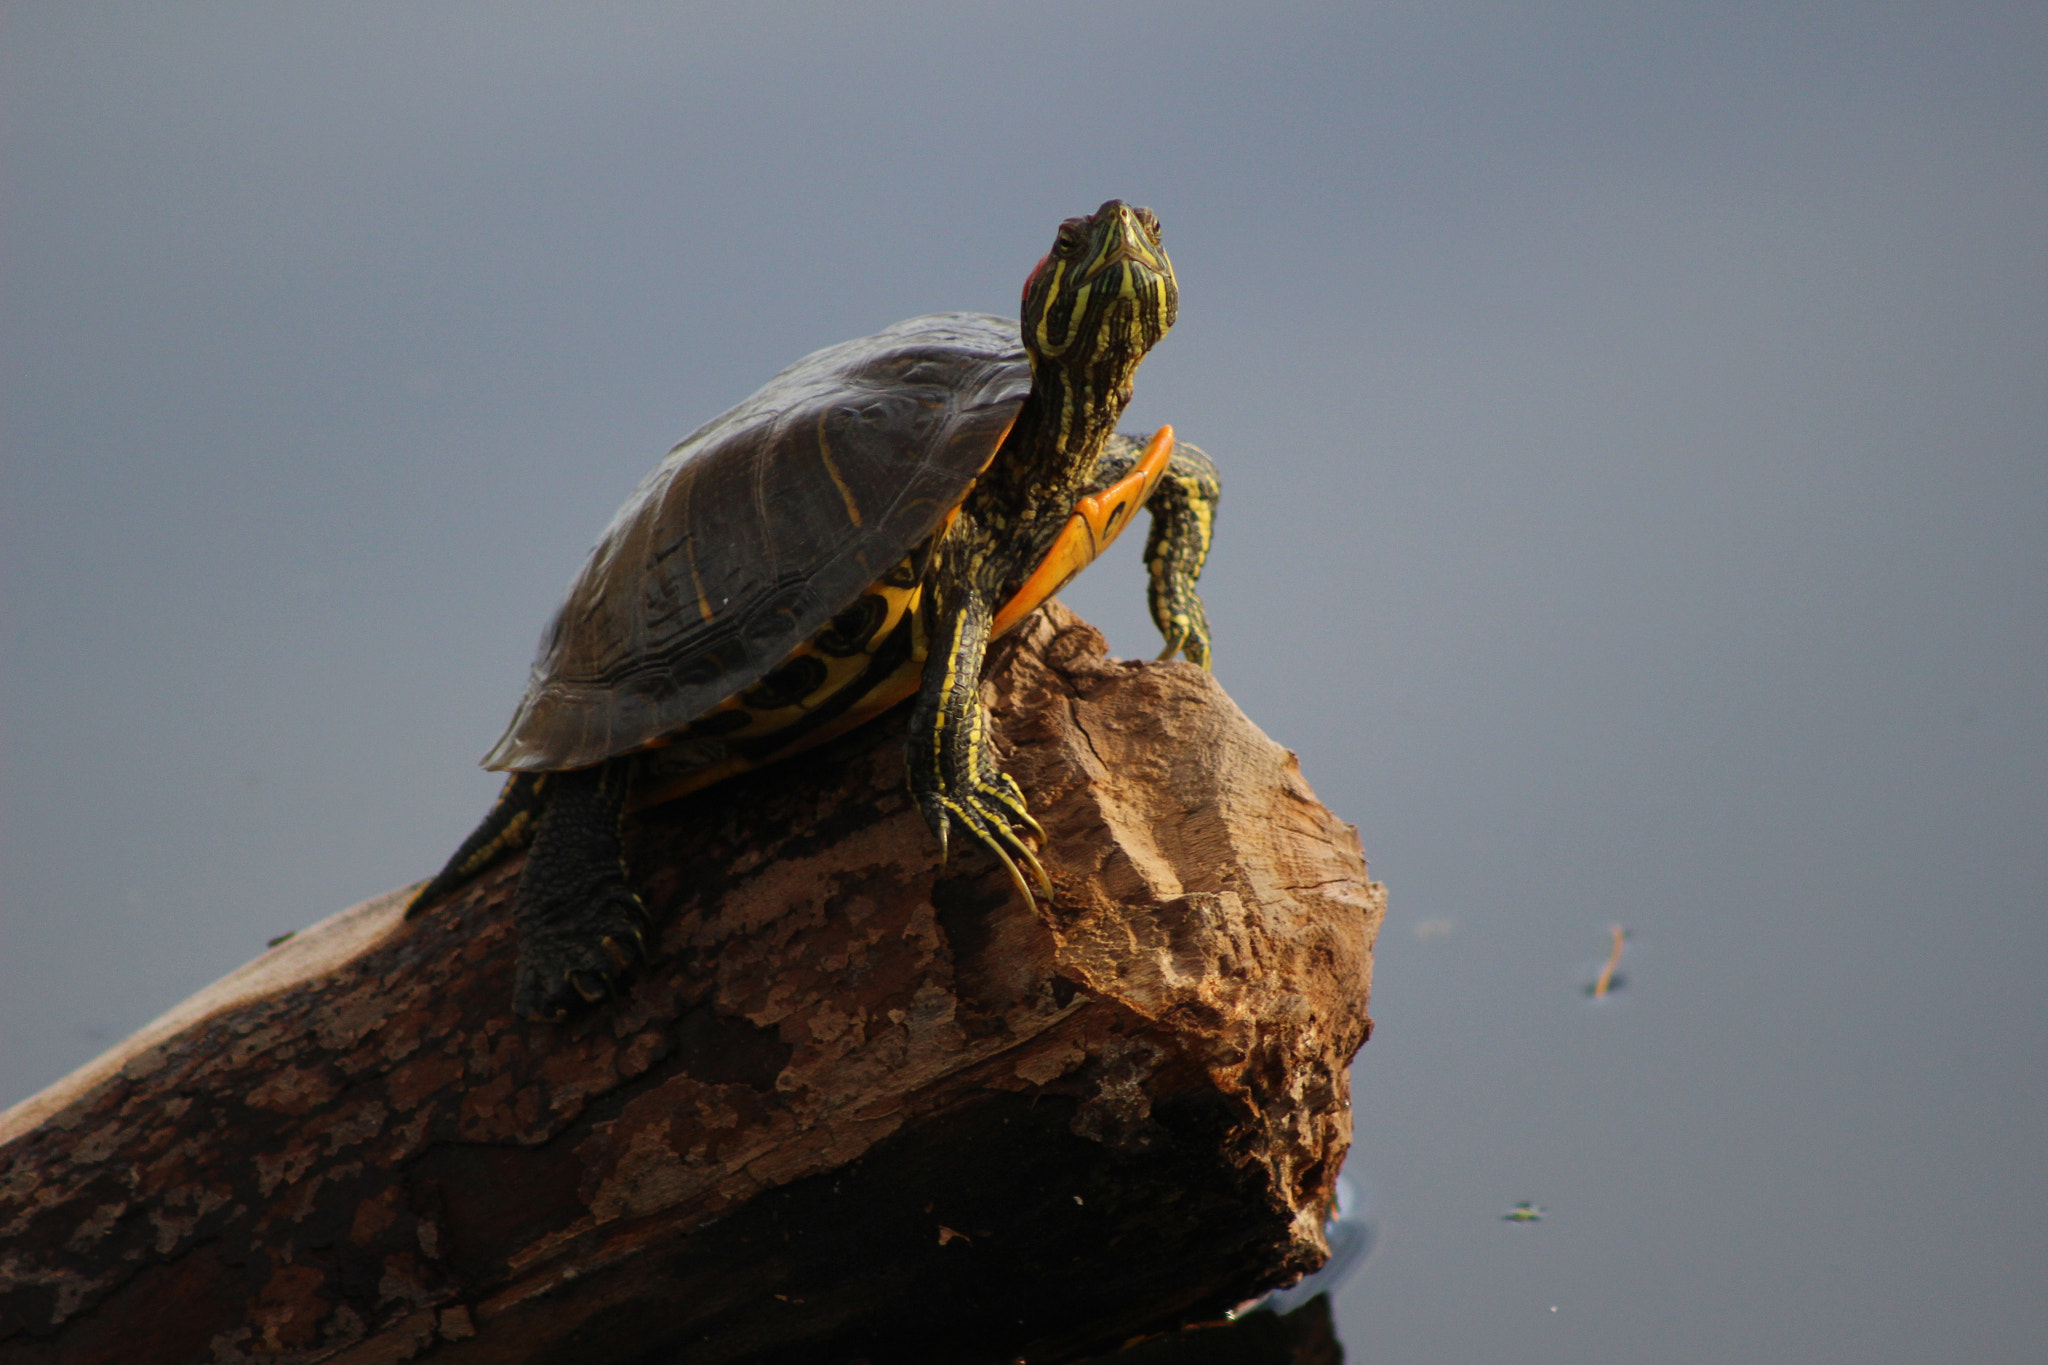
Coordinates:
1633 418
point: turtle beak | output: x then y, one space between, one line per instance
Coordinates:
1128 247
1106 279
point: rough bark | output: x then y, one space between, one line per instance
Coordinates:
861 1106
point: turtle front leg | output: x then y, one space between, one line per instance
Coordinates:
1183 509
953 772
580 924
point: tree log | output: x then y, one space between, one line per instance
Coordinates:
860 1107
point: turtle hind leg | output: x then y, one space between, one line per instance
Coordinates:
581 926
508 826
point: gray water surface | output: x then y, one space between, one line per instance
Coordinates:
1635 425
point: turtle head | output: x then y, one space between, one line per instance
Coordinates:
1101 298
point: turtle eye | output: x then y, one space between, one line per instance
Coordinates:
1073 238
1150 221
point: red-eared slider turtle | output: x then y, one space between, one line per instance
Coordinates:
852 535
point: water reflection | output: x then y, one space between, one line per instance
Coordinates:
1350 1234
1290 1326
1306 1336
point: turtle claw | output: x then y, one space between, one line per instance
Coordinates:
1039 887
992 813
581 927
622 955
1017 813
952 768
1017 878
580 955
1016 849
1190 643
988 818
1038 877
999 789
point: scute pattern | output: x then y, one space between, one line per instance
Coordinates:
760 528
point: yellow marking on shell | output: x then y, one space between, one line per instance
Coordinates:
690 550
832 468
697 579
839 674
1098 519
839 671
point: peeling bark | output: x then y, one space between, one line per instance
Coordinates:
861 1107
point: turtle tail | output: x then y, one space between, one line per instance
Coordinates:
508 826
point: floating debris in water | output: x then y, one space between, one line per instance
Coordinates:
1524 1212
1610 979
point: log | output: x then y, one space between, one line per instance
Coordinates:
1306 1336
860 1107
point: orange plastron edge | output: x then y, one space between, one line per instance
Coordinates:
1098 519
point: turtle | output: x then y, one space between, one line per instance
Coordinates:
851 537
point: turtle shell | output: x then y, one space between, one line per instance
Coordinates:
762 526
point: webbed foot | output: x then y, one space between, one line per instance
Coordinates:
577 954
581 925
